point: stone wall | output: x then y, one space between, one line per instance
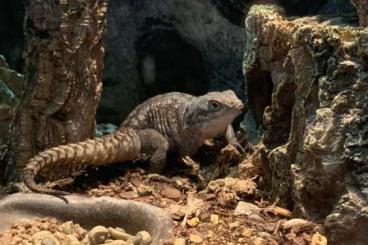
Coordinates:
313 125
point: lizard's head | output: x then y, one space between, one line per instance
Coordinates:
212 113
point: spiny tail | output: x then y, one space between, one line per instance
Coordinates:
123 145
28 179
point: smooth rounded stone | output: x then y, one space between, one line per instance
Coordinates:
246 208
98 234
171 193
142 238
88 212
44 238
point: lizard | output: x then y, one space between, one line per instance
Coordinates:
170 122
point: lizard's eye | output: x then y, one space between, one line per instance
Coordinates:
214 105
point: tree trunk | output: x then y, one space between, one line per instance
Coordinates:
63 68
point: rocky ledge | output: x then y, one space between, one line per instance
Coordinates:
307 84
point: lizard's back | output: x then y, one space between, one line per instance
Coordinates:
163 113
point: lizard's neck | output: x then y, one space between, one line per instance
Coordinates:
203 126
189 124
191 134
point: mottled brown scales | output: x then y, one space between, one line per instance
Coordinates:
172 122
123 145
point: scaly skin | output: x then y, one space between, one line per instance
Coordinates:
123 145
172 122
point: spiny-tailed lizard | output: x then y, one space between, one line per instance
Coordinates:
172 122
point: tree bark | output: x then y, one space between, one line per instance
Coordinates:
64 49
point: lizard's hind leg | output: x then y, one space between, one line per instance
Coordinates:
155 145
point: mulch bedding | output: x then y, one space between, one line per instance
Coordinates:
223 208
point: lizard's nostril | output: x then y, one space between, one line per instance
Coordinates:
239 106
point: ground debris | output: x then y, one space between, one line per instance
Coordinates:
229 190
228 210
278 211
246 208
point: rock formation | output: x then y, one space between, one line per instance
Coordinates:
309 80
159 46
362 9
164 45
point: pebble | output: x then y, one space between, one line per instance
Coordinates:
119 234
44 238
142 238
246 208
318 239
98 234
214 219
195 238
247 232
171 193
193 222
67 227
234 224
180 241
79 232
144 190
259 241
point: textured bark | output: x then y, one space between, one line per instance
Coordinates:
63 67
11 87
315 127
362 9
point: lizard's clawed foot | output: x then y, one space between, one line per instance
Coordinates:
195 167
239 148
59 183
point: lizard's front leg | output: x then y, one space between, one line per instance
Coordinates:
194 165
155 146
231 139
